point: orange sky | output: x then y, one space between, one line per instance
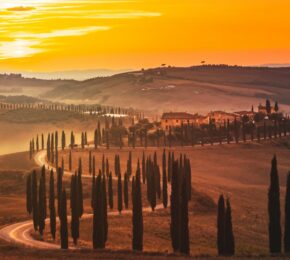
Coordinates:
50 35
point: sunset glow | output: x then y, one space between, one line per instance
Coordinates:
86 34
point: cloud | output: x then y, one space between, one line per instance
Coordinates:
20 8
61 33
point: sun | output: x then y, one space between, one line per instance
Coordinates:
16 3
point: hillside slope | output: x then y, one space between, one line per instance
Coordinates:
194 89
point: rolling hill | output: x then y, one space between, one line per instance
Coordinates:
194 89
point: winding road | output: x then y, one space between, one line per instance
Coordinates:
21 233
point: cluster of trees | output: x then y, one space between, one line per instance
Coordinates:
274 212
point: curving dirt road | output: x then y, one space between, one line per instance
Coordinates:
20 233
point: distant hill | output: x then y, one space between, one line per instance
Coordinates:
193 89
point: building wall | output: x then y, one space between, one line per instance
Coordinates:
166 123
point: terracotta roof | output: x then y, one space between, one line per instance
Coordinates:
178 115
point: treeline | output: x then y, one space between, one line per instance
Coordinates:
113 133
82 109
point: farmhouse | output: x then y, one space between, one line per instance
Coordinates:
220 117
176 119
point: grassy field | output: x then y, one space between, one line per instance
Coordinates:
238 171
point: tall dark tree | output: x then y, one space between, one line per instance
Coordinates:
63 222
229 234
105 207
74 209
28 194
221 240
126 193
48 147
52 214
268 106
143 168
35 211
70 161
184 230
110 191
175 208
164 181
90 162
98 218
93 190
274 210
41 201
120 194
96 141
276 107
63 141
137 217
42 142
80 190
72 140
287 217
59 190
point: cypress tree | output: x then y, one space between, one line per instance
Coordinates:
96 141
42 142
74 209
287 217
153 188
274 210
80 191
137 217
107 168
59 191
34 201
72 140
143 168
63 222
48 147
169 166
105 212
37 144
70 161
184 231
229 235
120 197
98 218
126 193
110 190
52 206
129 165
41 208
174 208
90 162
28 194
63 142
221 240
52 148
93 190
44 189
164 182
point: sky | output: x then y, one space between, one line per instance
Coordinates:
60 35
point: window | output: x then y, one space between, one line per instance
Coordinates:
166 121
176 120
